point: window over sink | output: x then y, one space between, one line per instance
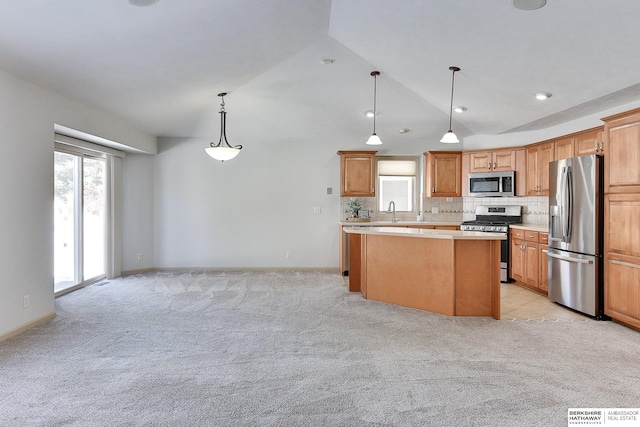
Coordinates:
397 180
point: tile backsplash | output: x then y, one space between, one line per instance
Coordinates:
535 210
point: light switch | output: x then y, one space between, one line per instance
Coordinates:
317 210
329 190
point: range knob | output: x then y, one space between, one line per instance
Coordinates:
493 228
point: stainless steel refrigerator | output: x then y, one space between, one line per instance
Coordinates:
575 233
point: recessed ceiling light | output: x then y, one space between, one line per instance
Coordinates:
142 3
529 4
369 113
328 61
404 130
542 95
459 108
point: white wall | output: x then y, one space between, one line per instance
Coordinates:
138 215
27 118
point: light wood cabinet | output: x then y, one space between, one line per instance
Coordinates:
489 161
543 260
622 258
517 259
444 174
589 142
528 261
357 173
622 153
564 148
538 158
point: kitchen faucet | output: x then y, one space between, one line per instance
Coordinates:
392 203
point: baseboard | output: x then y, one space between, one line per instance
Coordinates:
17 331
147 270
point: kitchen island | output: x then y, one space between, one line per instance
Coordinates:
456 273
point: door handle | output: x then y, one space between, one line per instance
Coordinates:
570 259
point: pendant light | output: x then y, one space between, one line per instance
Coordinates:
374 139
450 137
219 151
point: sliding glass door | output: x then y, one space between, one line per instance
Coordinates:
79 220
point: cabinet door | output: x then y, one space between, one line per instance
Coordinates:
357 173
531 263
545 155
444 174
589 142
517 260
622 258
504 160
481 161
564 148
622 157
532 171
543 279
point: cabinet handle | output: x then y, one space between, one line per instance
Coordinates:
433 189
494 165
530 236
373 190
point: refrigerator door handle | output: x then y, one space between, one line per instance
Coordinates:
568 258
570 199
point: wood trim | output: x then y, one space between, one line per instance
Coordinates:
621 115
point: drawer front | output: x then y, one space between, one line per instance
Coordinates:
544 238
531 236
516 233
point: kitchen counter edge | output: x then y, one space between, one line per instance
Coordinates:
425 233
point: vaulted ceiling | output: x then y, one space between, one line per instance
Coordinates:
162 66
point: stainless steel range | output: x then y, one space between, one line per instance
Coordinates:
496 219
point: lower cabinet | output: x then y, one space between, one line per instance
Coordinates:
528 260
622 258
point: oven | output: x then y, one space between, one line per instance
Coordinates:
496 219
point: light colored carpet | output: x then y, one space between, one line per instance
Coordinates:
297 349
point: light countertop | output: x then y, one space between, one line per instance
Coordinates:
426 233
398 223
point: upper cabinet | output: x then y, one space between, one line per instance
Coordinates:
444 173
538 158
579 144
357 173
622 152
496 160
589 142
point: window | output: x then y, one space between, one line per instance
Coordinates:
397 181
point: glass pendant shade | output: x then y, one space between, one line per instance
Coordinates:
223 150
449 138
374 140
222 153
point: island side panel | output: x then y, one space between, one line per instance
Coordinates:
477 277
412 272
355 255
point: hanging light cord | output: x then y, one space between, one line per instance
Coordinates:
375 95
453 77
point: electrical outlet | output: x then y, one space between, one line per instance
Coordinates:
139 256
329 190
288 255
317 210
26 301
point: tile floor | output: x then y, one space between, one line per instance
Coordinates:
518 303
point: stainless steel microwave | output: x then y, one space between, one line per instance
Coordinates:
492 184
